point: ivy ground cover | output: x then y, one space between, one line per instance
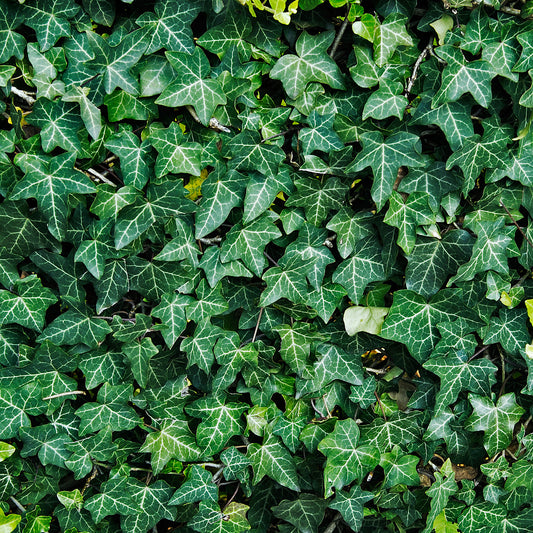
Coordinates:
266 267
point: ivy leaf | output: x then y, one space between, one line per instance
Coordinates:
220 421
192 86
49 19
312 64
407 215
11 42
350 505
399 469
305 513
385 157
10 522
490 251
200 346
387 101
222 191
109 201
173 441
320 135
440 493
198 487
287 283
496 420
47 443
346 461
478 153
509 329
134 159
210 302
248 242
210 519
60 122
460 77
114 498
400 429
26 303
364 266
15 406
248 152
215 270
176 154
272 459
110 410
390 34
433 260
73 327
172 312
112 63
317 199
350 228
262 190
170 25
139 355
413 321
51 183
97 447
453 118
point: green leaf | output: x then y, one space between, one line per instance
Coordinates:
210 519
305 513
173 441
490 251
399 468
496 420
385 157
312 64
272 459
346 461
51 183
198 487
192 86
440 493
317 199
73 327
221 191
172 312
200 346
11 42
406 215
60 122
139 355
10 522
175 153
433 260
220 421
460 77
49 19
170 25
84 451
320 135
287 283
26 303
112 63
45 442
90 114
510 330
387 101
453 118
481 516
390 34
350 505
363 267
413 321
248 242
121 105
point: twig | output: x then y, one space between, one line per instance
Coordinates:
432 53
270 259
212 240
339 35
280 134
414 75
317 409
257 324
480 351
23 94
521 280
18 504
515 223
64 394
376 370
232 496
510 10
213 122
212 465
333 524
101 177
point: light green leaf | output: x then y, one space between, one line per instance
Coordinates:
210 519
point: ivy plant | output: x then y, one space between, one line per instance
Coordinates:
266 266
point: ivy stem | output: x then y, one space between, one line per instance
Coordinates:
257 324
23 95
271 259
339 35
18 504
480 351
333 524
101 177
233 495
414 75
64 394
515 223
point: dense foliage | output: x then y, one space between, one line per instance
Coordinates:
265 267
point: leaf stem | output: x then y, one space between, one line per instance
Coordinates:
18 504
516 224
68 393
23 95
232 496
339 35
101 177
257 324
333 524
411 81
